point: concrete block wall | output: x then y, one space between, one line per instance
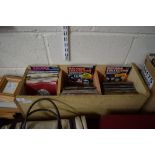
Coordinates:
22 46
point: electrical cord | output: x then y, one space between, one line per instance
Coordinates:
35 102
23 125
77 113
42 110
37 110
47 99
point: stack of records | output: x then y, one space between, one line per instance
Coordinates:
118 87
42 80
79 90
80 80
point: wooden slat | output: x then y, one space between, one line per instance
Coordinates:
7 115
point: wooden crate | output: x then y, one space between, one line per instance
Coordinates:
6 79
8 107
99 104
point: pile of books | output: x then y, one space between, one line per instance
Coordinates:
42 80
80 80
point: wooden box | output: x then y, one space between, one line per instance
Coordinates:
13 79
8 107
98 104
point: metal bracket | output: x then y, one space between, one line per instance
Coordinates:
66 42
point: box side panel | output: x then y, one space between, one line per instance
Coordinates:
138 81
150 105
97 82
99 104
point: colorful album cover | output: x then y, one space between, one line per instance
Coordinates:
42 80
44 68
78 75
114 73
42 88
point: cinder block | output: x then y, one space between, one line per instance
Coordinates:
12 71
97 49
30 28
82 28
55 45
105 29
141 46
19 50
115 29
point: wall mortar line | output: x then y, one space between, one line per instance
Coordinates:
47 50
133 39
